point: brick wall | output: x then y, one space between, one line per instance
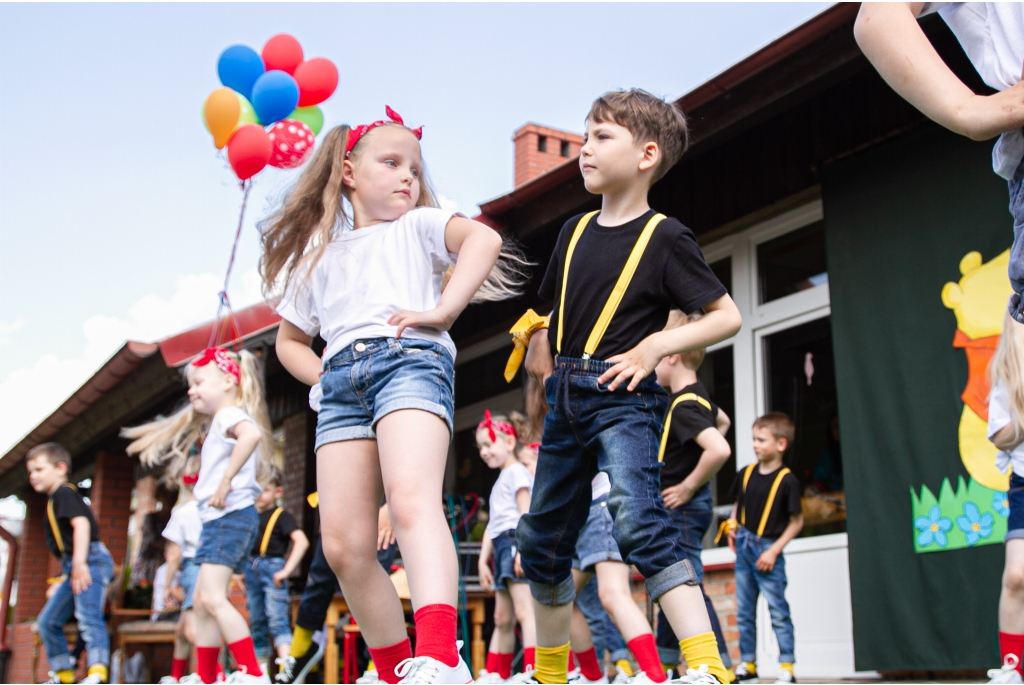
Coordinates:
531 161
111 497
295 462
721 588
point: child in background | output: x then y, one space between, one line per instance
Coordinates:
766 516
1006 430
510 498
87 568
225 389
266 575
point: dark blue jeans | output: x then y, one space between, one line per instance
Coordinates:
1017 251
590 429
750 582
267 604
602 630
693 518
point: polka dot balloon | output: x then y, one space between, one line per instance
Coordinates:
291 142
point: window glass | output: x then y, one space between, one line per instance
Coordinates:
792 262
716 374
723 272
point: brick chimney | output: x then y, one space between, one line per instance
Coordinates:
539 148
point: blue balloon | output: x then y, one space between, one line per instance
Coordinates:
274 96
238 68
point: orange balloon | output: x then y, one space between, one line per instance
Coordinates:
221 113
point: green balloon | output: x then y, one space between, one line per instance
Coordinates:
310 116
247 115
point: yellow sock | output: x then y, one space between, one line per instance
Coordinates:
100 670
730 673
302 640
626 667
702 650
786 667
370 666
66 676
550 666
751 667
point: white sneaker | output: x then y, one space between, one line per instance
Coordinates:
425 669
622 677
697 675
168 680
524 677
785 677
192 679
488 677
371 677
92 679
53 679
1008 673
581 679
242 676
642 677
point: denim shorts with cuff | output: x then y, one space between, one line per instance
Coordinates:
189 573
369 379
227 540
1015 524
505 559
596 542
1017 250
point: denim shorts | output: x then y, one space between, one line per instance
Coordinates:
227 540
1015 524
371 378
1017 249
189 573
505 559
596 542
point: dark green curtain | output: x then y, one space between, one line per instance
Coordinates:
898 220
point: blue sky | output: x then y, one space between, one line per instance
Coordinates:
116 215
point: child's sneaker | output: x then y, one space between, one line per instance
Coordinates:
242 676
168 680
295 670
785 676
192 679
644 679
371 677
1008 673
622 677
425 669
697 675
488 677
92 679
744 672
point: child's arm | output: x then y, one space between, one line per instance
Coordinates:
722 422
385 532
81 535
1007 438
296 355
722 320
716 453
483 566
766 562
300 543
892 40
731 535
172 555
523 500
478 247
246 436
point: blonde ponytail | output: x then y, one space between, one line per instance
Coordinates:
1007 367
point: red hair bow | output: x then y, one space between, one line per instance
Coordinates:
361 130
190 478
222 358
491 426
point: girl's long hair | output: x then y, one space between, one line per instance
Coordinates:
1007 366
296 234
169 441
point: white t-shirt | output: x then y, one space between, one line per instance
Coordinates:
992 35
215 457
600 485
367 275
998 418
504 513
184 528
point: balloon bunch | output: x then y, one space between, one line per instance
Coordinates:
267 112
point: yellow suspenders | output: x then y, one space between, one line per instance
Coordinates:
768 503
617 292
268 531
687 397
54 528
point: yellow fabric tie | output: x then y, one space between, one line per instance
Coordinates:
551 664
314 500
528 324
728 526
702 650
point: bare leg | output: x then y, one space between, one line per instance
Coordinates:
613 587
349 483
1011 599
553 623
503 641
580 639
686 612
216 618
522 602
184 633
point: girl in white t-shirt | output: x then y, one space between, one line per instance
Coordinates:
1006 431
510 498
226 392
368 281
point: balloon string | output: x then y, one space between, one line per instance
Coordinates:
225 329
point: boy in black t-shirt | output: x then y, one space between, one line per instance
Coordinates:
766 516
87 568
613 279
266 576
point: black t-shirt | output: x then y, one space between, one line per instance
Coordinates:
279 537
787 500
689 419
671 274
68 503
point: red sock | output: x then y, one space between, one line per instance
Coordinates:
245 656
206 663
178 668
589 666
220 669
1010 643
529 658
499 663
570 663
646 652
435 633
386 658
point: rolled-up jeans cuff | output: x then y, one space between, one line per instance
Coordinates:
679 573
554 595
1015 534
98 656
787 658
620 655
751 658
668 656
726 659
61 662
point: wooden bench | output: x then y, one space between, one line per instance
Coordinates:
142 630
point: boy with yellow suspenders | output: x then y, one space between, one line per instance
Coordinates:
766 516
614 278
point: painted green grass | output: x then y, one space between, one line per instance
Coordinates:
970 517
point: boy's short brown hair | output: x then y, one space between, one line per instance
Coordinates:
54 453
648 118
273 478
779 424
694 358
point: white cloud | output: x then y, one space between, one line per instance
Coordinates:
30 394
7 328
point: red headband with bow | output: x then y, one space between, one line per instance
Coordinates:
491 426
222 358
190 478
361 130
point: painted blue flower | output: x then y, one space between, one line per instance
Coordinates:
1001 504
932 528
974 524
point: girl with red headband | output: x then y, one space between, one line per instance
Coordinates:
226 393
368 281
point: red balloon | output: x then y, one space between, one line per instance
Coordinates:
292 143
317 79
282 52
249 151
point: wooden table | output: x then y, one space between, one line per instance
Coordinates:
474 606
